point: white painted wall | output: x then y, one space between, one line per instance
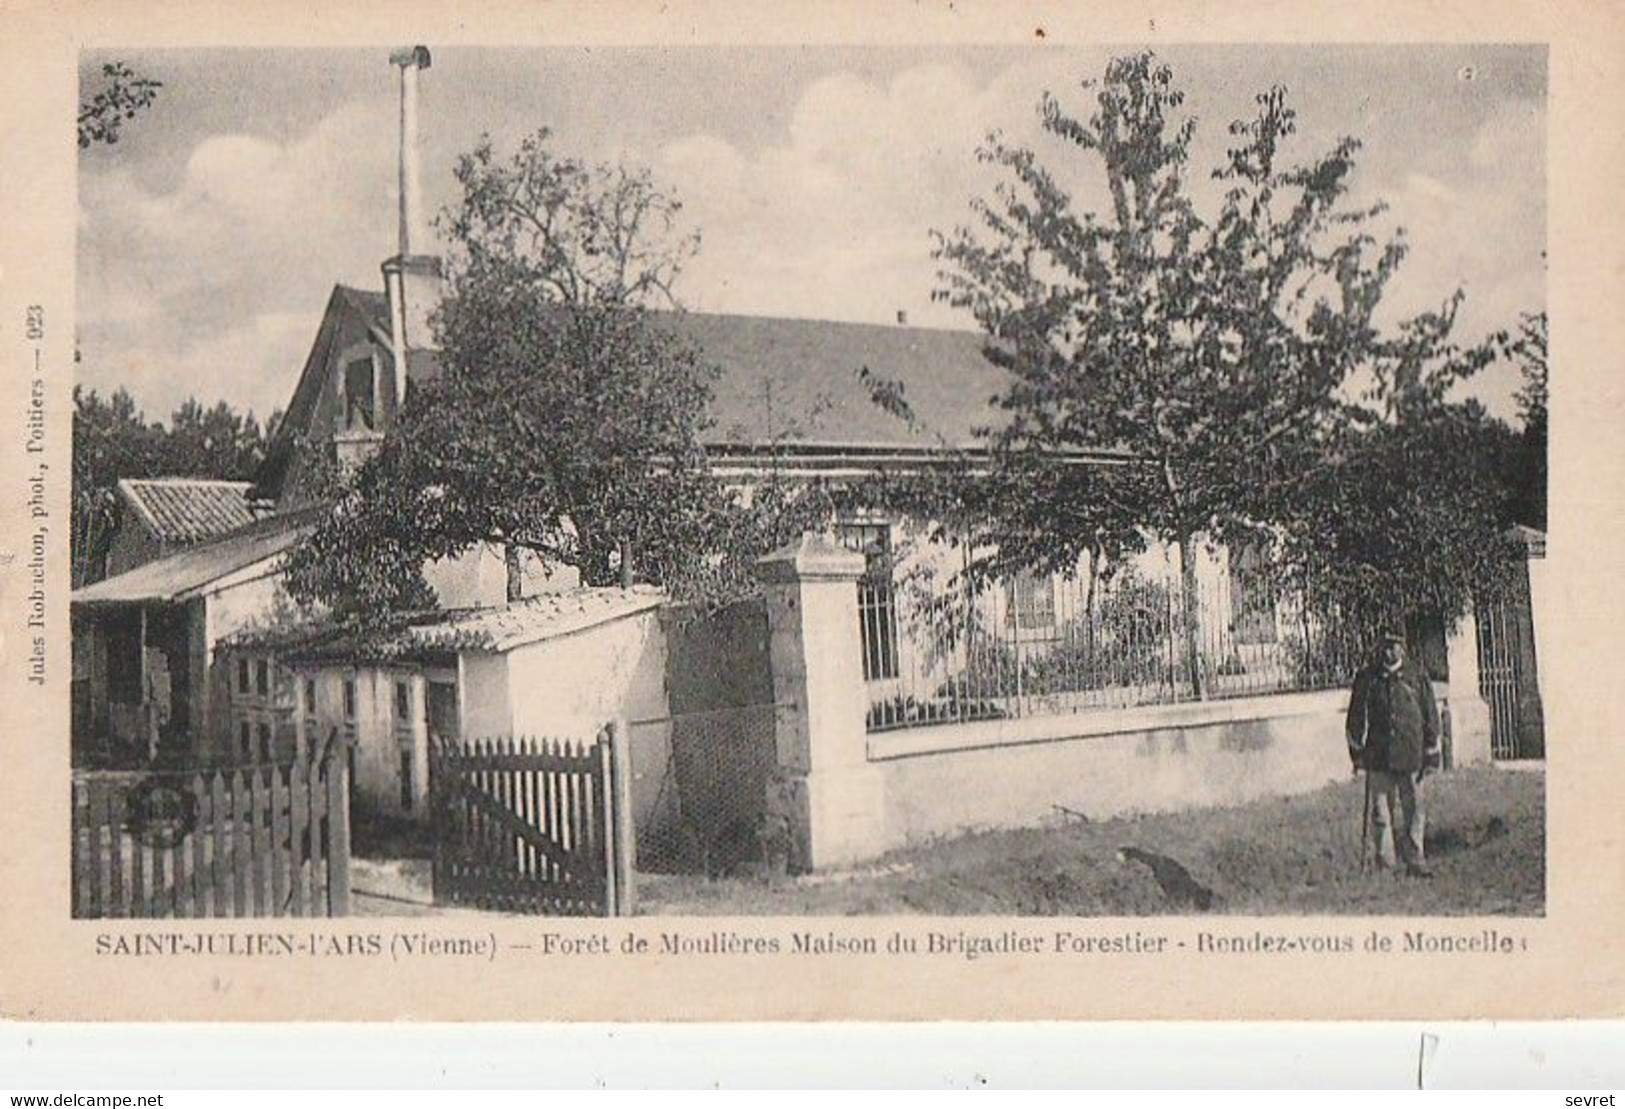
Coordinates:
483 696
245 604
570 687
1171 758
1542 598
479 578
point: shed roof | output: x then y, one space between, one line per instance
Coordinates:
189 572
534 619
189 510
434 633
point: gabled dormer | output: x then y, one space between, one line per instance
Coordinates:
369 344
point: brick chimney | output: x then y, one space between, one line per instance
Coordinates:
412 276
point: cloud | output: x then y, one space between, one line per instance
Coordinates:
836 218
202 287
214 282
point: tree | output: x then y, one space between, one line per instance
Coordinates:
1404 520
1526 463
112 439
1223 353
566 416
123 94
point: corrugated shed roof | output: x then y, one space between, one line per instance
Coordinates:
189 510
534 619
187 573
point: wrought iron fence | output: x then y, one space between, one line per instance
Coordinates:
939 650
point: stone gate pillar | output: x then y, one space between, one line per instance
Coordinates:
1469 714
833 797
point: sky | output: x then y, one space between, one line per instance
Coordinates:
211 235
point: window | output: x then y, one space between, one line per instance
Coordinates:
1032 600
262 678
403 701
358 394
245 740
443 709
1252 596
406 779
242 675
877 603
264 731
310 695
349 698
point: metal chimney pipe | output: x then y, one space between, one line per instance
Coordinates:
413 234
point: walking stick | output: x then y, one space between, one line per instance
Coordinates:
1365 825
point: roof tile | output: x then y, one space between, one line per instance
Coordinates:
188 510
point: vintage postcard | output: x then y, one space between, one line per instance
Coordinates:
935 512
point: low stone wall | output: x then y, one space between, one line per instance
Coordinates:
1101 764
1014 773
851 795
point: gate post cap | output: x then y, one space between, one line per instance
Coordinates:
813 557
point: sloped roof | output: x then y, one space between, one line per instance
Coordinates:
783 379
494 629
188 510
189 572
797 380
1533 539
373 306
534 619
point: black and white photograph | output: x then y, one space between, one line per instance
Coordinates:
810 481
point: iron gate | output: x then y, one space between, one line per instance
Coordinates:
1508 679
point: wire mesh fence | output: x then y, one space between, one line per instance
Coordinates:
939 648
710 811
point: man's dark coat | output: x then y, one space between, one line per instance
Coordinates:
1393 722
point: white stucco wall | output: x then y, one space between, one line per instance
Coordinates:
570 687
244 604
573 685
1542 597
479 578
483 696
1013 774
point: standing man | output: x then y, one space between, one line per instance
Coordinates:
1393 735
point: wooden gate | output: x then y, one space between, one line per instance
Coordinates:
1508 679
533 826
255 841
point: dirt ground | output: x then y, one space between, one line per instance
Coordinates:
1298 855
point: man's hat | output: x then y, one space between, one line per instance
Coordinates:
1391 636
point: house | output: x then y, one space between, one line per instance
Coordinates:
1138 682
143 641
159 516
556 666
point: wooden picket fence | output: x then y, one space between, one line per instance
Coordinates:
254 841
534 826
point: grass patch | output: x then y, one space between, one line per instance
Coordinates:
1296 855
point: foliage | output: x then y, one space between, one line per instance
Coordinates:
1526 465
112 439
1124 642
122 95
565 418
1406 518
1223 355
